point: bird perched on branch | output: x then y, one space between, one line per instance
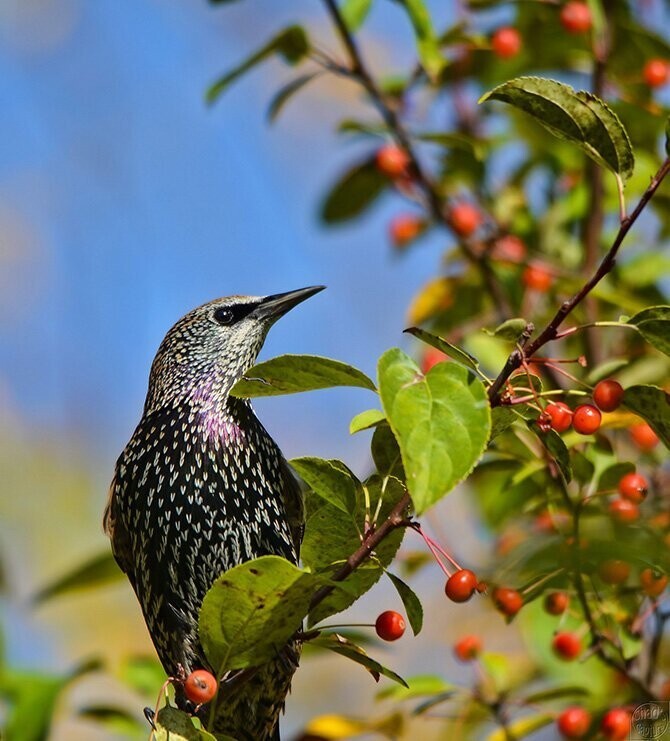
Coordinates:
202 487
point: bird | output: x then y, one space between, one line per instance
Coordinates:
202 487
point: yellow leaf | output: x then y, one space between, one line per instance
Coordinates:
335 727
434 297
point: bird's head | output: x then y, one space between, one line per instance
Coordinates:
211 347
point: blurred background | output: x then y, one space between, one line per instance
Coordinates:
124 202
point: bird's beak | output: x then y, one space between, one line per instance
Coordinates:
272 307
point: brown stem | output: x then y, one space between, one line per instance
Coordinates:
396 518
434 201
593 223
597 639
550 332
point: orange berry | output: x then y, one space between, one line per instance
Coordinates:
537 278
405 228
643 436
461 585
623 510
468 648
574 722
200 686
509 249
586 419
656 72
465 219
506 42
653 582
432 357
392 161
576 17
390 625
613 571
556 603
508 601
608 395
633 486
615 725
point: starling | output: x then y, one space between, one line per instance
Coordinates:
202 487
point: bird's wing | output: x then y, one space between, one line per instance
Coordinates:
115 529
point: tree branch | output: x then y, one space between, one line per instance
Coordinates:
550 332
434 201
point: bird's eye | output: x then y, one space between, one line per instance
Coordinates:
224 316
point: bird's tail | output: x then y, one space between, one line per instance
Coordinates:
250 712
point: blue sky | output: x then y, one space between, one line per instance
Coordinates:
135 202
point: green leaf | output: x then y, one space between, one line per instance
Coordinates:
386 452
411 602
354 193
32 699
422 684
510 330
577 117
365 420
285 93
653 405
329 479
654 325
99 570
441 421
558 450
291 44
554 693
521 728
176 725
354 13
291 374
331 536
453 351
340 645
143 674
428 46
252 610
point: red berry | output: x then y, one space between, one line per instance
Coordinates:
404 228
656 72
390 625
560 415
623 510
613 571
392 161
608 395
633 486
464 219
461 585
574 722
643 436
509 249
586 419
468 648
537 278
506 42
556 603
576 17
615 725
507 601
653 582
200 686
432 357
567 646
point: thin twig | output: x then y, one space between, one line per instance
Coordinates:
434 201
550 332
